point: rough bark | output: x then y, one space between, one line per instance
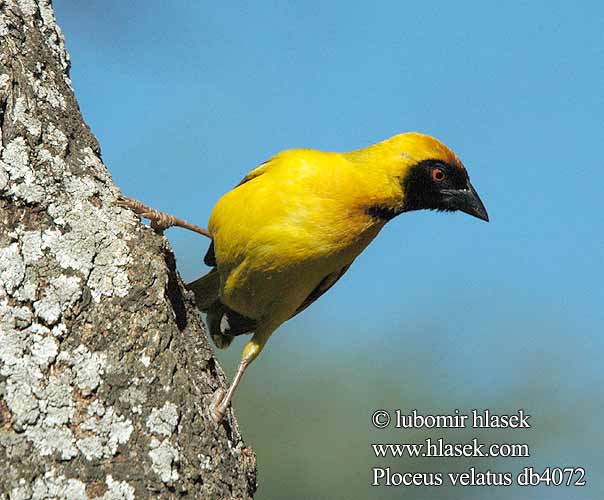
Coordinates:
105 369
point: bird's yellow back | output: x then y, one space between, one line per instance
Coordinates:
293 221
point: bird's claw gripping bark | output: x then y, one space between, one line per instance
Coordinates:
218 406
159 220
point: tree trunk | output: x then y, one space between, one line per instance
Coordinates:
105 369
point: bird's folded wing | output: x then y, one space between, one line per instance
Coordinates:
210 258
325 284
259 170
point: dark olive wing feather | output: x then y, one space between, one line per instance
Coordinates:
225 321
325 284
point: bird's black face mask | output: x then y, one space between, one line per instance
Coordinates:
435 185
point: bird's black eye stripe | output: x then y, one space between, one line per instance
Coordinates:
427 180
445 173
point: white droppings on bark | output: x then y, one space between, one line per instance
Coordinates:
164 457
163 420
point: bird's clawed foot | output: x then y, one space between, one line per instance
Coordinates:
159 220
219 405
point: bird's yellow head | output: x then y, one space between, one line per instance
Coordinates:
426 173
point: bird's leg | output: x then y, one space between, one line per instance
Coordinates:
221 401
159 220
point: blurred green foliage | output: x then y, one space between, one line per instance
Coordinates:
306 413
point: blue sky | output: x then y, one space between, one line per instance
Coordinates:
186 97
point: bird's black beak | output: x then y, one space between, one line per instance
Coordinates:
468 201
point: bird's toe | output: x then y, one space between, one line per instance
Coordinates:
217 407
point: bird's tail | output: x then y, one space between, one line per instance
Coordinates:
206 289
223 322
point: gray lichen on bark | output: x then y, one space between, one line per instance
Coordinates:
105 369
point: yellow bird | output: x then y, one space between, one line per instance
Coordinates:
293 226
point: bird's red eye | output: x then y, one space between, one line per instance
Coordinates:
438 175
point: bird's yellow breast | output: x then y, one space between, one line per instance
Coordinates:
293 221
